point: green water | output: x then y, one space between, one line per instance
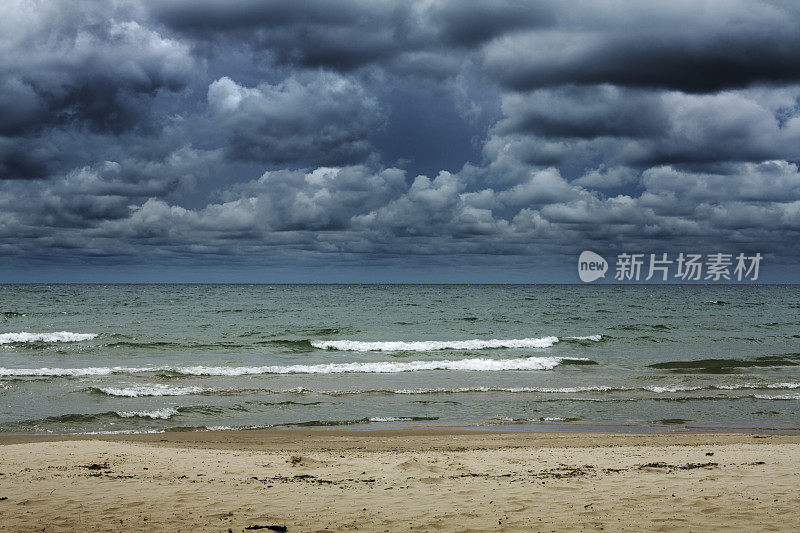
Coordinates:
157 357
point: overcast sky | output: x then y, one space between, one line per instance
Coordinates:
371 140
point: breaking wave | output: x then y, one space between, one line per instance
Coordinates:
73 372
593 338
777 397
147 390
478 364
427 346
59 336
166 390
720 366
162 414
365 420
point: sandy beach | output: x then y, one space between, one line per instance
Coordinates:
400 480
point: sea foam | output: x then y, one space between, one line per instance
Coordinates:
163 414
427 346
74 372
595 338
777 397
477 364
149 390
59 336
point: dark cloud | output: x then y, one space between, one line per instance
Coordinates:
688 46
585 112
210 16
585 126
357 131
98 76
18 161
320 120
472 23
340 34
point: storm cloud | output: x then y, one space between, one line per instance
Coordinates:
368 133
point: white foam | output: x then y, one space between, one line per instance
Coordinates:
784 386
738 386
478 364
734 386
595 338
149 390
758 386
427 346
389 419
778 397
162 414
671 388
506 389
73 372
58 336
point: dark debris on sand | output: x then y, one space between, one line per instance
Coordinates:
687 466
95 466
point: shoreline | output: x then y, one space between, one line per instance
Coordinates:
494 436
388 429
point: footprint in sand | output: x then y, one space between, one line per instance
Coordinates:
414 465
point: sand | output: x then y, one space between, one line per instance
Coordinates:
400 480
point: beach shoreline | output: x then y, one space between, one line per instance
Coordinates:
390 480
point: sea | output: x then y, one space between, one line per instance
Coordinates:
152 358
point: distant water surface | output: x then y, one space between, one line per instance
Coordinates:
96 358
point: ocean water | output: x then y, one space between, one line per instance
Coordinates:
117 358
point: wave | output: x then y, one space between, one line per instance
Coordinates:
777 397
427 346
161 345
167 390
84 418
642 327
285 402
593 338
147 390
146 344
365 420
163 414
718 366
666 389
565 390
59 336
673 388
759 386
512 420
303 345
479 364
72 372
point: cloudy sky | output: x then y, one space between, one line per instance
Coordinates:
372 140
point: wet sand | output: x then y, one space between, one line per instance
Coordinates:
400 480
